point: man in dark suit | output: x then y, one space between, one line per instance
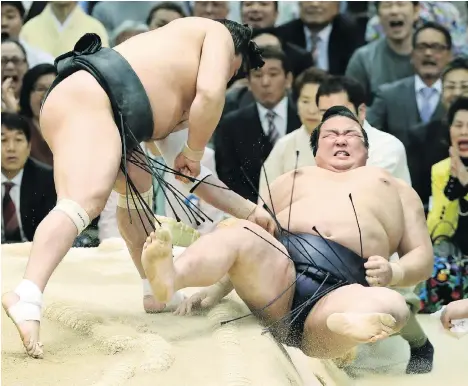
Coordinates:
434 136
28 190
400 106
245 138
330 37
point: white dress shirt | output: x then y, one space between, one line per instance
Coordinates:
281 116
434 98
323 38
15 196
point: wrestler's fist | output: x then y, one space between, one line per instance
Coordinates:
205 298
378 271
261 217
186 167
453 311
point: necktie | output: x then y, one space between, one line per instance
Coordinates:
314 49
10 219
426 107
272 134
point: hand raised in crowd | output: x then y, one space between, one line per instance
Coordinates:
458 169
9 101
187 167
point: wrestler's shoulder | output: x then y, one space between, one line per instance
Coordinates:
200 22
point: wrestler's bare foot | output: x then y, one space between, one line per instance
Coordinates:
152 306
158 264
361 327
29 330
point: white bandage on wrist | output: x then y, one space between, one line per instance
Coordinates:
398 274
134 203
192 155
75 212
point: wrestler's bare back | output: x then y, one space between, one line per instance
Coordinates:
321 199
166 60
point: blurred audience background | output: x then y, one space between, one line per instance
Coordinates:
400 66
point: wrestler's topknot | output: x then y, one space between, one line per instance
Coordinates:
241 36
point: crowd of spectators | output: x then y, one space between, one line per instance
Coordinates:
401 67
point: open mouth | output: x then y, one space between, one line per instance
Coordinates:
396 23
341 153
255 18
463 144
428 62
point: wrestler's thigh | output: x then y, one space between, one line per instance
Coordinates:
87 149
263 272
139 176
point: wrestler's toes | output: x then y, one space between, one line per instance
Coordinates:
163 235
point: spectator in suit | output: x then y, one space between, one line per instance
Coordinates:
239 95
28 190
259 14
14 66
12 22
329 36
387 59
448 213
293 150
36 82
434 136
399 106
60 25
211 9
245 137
163 13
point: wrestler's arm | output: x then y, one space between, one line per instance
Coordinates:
225 200
415 249
212 79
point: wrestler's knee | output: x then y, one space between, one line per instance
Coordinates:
393 303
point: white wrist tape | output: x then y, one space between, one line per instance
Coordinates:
398 274
76 213
134 203
192 155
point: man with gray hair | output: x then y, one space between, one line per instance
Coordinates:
126 30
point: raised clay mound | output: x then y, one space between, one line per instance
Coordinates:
95 333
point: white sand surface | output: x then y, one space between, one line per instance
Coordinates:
95 332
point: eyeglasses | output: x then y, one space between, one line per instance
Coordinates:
15 60
436 47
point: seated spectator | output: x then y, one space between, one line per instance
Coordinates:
162 197
126 30
387 59
211 9
293 150
113 13
244 138
239 95
57 29
440 12
36 82
329 36
434 136
28 190
14 66
164 13
259 14
448 211
399 106
12 22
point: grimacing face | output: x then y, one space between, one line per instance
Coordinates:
459 132
341 145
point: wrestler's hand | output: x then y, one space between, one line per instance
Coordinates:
261 217
204 298
187 167
453 311
378 271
